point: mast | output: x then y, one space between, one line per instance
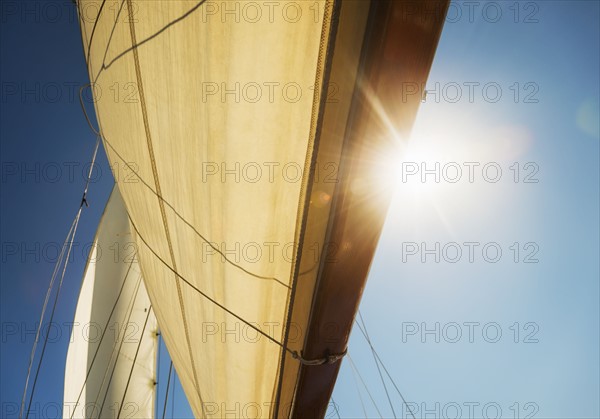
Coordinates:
399 43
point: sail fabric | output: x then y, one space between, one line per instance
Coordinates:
114 326
209 112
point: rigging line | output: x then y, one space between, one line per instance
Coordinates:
39 366
396 387
362 403
167 391
87 60
173 397
77 218
137 351
89 176
102 336
366 335
149 38
355 369
37 335
118 15
157 381
335 409
222 307
216 249
329 359
118 352
112 32
388 374
87 118
159 196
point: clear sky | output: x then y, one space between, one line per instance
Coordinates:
473 335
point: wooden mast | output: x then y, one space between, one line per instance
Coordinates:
398 49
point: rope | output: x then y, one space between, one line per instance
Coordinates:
157 381
387 394
355 370
386 371
187 223
70 239
87 118
362 403
37 335
173 398
167 392
335 409
89 176
137 351
87 60
327 359
62 277
149 38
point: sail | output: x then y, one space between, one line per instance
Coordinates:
111 360
227 125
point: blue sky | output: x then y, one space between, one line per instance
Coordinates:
544 59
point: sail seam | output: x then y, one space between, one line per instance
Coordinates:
158 190
137 351
103 333
128 314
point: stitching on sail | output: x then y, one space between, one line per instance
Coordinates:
158 190
134 361
103 334
128 313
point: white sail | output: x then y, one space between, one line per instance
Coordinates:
208 112
111 361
